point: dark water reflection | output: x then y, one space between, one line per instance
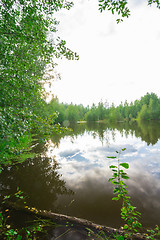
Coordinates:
71 175
39 180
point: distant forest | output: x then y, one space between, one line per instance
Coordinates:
147 108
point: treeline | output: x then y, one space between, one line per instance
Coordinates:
66 112
147 108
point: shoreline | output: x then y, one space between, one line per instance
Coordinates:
68 227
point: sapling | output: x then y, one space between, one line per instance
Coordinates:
128 211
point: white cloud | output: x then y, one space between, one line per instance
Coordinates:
117 62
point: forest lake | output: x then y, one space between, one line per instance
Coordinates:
71 173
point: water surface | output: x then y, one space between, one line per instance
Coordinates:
71 174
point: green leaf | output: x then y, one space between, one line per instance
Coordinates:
121 182
115 175
124 176
119 237
112 157
115 182
116 190
112 166
19 237
111 179
125 226
125 165
123 149
115 198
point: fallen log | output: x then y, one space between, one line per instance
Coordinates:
78 224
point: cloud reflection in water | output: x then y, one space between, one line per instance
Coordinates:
84 167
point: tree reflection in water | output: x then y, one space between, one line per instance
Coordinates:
148 131
39 179
84 170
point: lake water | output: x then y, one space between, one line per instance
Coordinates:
70 175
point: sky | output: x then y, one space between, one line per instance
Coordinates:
117 62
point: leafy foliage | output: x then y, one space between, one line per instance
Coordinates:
15 150
121 7
128 211
147 108
28 50
157 2
27 54
153 233
115 6
9 232
65 112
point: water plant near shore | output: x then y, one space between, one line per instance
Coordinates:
15 150
128 212
36 229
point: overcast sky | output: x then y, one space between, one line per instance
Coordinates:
117 62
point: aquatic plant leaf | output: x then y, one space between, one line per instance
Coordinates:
123 149
112 166
111 179
115 198
125 165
